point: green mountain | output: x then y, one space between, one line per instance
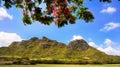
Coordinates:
42 50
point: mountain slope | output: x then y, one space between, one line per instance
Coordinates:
77 50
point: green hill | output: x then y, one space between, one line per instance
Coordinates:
50 51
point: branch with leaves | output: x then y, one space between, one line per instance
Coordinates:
61 12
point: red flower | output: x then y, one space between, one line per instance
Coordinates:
54 13
58 1
55 22
25 12
90 13
67 12
61 7
23 0
54 10
66 9
66 1
72 19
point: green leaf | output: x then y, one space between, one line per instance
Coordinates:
26 19
39 1
20 6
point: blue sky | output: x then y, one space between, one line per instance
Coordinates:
103 33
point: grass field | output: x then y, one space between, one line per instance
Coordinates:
62 65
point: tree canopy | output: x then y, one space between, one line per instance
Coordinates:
61 12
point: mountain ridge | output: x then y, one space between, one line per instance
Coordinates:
36 48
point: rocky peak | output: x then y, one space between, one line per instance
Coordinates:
45 39
15 43
78 44
22 43
34 38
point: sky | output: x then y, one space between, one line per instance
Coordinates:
102 34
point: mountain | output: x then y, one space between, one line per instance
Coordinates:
77 51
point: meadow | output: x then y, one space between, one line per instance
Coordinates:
62 65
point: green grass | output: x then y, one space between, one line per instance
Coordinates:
62 65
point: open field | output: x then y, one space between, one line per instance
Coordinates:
62 65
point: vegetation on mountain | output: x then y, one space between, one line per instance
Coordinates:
45 50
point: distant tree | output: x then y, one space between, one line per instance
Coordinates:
61 12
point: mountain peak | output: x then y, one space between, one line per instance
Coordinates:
34 38
45 39
78 44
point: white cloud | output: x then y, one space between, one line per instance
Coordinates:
4 14
108 42
92 44
7 38
110 26
107 49
77 37
110 50
109 10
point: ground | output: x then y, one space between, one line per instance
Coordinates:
62 65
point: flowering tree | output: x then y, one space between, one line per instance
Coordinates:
61 12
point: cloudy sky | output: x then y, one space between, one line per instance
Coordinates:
103 33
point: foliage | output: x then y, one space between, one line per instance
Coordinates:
62 12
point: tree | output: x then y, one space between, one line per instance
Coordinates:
61 12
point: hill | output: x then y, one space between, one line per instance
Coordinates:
50 51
